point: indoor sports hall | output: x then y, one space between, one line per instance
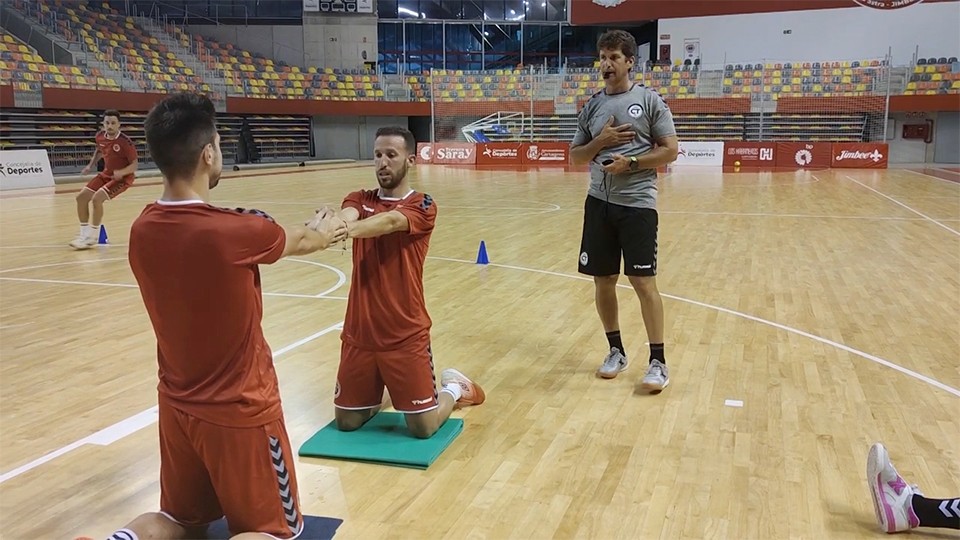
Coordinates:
808 258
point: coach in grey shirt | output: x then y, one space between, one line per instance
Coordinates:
617 131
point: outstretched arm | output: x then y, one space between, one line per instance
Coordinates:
348 214
301 240
377 225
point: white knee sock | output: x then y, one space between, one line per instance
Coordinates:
124 534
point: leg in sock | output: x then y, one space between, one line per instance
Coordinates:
153 526
606 299
651 306
83 205
608 309
613 338
939 513
656 353
98 199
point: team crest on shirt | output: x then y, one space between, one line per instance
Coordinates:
635 110
116 148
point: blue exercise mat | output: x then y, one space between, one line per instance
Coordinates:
384 439
314 528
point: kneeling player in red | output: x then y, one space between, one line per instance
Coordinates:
224 450
386 332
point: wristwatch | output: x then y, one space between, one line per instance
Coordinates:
633 163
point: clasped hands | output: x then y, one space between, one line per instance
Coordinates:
328 222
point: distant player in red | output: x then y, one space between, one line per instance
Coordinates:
119 155
224 449
386 332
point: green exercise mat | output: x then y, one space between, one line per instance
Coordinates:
384 439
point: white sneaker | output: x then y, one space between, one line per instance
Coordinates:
83 242
613 364
470 392
657 377
892 497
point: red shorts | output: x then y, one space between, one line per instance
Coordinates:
209 471
108 184
407 373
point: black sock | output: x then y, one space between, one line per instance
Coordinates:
932 514
614 339
656 353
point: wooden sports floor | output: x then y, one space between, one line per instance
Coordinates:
808 314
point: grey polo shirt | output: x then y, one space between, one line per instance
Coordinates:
651 118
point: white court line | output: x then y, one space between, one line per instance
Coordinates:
67 263
69 282
19 208
135 423
825 341
50 246
813 216
341 277
930 176
891 199
322 296
8 326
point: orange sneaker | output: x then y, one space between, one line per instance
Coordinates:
470 392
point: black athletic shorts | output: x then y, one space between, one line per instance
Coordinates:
611 231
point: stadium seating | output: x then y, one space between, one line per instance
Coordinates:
455 85
804 79
116 41
133 54
68 136
672 82
21 66
123 45
934 76
252 75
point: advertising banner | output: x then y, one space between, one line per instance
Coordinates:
452 152
22 169
703 153
751 155
545 153
801 155
424 152
860 155
499 153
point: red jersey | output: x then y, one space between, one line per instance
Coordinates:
196 266
117 152
386 308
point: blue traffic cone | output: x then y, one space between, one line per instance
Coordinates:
103 236
482 254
